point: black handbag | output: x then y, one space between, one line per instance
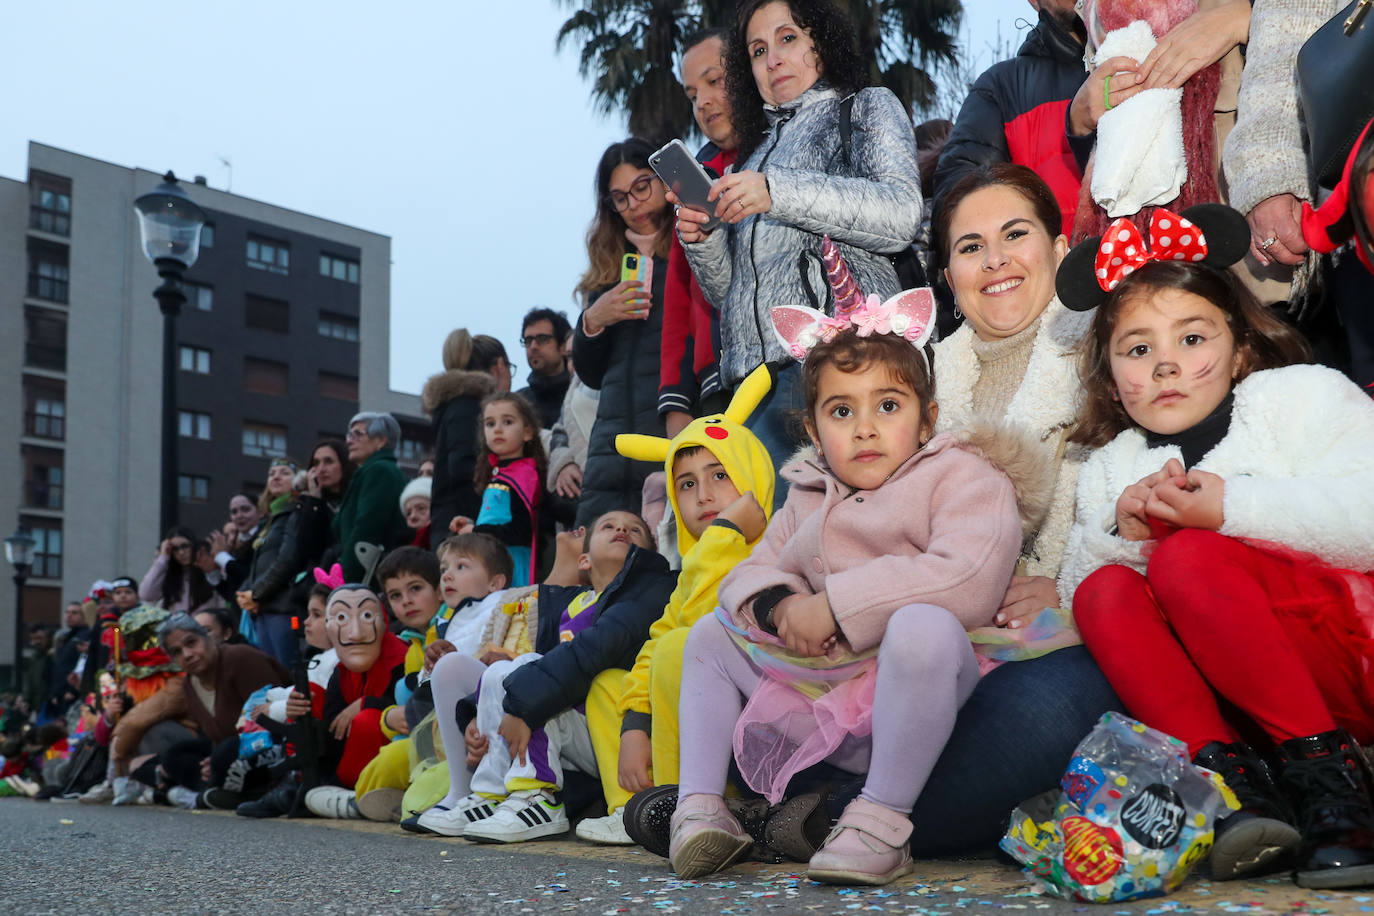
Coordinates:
1336 87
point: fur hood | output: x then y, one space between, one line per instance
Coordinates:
455 383
1006 446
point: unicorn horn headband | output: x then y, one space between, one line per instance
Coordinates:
910 314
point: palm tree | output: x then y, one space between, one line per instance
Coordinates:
629 48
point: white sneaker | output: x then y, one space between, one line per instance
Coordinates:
134 793
333 802
182 797
26 786
608 830
523 816
101 793
453 821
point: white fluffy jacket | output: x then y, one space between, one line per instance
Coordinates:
1044 406
1298 461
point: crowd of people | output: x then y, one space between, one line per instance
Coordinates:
782 553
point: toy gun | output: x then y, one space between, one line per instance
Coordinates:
307 726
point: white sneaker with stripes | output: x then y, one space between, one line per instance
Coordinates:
453 821
522 816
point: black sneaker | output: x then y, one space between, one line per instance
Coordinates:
798 827
275 803
1328 781
220 799
1260 837
648 815
412 823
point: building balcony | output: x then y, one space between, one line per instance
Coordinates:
45 426
52 221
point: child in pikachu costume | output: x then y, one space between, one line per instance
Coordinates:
643 749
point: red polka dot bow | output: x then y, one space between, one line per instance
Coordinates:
1123 251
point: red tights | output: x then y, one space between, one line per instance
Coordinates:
1276 637
364 740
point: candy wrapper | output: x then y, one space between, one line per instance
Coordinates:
1131 819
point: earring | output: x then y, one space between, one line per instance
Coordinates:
958 315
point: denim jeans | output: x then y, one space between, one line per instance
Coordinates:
777 422
1012 740
276 639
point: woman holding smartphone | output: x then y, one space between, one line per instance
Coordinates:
794 74
616 343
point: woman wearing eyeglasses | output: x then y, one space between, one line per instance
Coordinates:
616 342
175 581
266 593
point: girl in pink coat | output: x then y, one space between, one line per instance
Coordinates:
844 636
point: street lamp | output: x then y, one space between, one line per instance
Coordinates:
19 551
170 223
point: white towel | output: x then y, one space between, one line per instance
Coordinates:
1139 160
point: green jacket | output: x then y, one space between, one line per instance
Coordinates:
371 510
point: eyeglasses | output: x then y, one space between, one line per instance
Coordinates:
355 434
640 190
282 463
537 340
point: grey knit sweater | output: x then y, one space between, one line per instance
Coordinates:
870 208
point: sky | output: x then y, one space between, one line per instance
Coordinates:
455 128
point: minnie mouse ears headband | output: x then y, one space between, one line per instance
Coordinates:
910 314
1209 234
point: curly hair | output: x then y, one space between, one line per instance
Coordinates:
849 352
837 48
1263 341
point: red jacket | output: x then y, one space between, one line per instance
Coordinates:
690 342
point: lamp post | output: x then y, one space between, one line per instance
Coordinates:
19 551
169 223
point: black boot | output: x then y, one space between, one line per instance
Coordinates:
275 803
1328 780
1260 836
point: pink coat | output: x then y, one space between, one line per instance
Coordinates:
943 530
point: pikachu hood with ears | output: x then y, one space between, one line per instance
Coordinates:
723 435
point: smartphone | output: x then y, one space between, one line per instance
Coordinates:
634 267
684 176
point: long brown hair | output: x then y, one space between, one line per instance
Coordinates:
606 235
533 448
1263 341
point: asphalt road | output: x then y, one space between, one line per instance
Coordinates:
78 859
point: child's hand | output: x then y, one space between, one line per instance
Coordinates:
1132 521
297 705
395 720
491 654
475 742
635 754
114 708
516 733
437 650
1193 500
746 514
461 524
343 722
246 602
806 624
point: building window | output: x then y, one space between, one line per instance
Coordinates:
194 359
46 417
410 453
339 268
266 314
339 327
47 547
48 272
50 203
339 387
45 341
207 235
42 478
261 440
192 424
199 297
264 254
263 376
193 489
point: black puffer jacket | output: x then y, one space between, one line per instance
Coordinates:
1016 111
275 563
545 394
634 600
453 400
621 362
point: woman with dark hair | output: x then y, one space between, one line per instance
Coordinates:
266 595
474 367
616 343
327 478
174 581
795 79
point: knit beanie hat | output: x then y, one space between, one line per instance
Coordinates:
420 486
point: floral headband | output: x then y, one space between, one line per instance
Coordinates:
909 315
1213 235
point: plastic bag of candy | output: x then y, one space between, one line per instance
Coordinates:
1131 818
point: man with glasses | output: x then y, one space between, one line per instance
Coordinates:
543 334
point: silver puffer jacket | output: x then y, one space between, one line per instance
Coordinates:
870 208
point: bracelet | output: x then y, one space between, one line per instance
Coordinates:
1107 92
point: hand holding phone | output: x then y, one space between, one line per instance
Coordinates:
685 177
